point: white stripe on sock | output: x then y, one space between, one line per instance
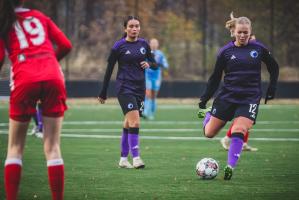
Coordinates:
12 161
54 162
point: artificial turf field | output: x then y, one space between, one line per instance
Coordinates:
171 145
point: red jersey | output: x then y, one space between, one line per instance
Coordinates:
30 49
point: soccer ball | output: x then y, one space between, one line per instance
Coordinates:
207 168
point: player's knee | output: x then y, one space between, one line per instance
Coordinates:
208 133
134 123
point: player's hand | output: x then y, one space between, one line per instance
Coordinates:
101 100
144 65
270 94
202 105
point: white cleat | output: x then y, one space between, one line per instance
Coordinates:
33 131
124 163
138 163
225 142
246 147
39 134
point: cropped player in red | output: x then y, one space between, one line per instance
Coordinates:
27 36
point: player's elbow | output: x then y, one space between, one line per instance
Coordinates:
67 47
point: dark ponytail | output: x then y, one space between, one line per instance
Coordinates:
7 16
127 19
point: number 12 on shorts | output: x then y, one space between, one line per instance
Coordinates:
252 110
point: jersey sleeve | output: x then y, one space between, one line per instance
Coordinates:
58 37
112 59
164 61
272 67
214 80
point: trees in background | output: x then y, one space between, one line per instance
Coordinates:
94 25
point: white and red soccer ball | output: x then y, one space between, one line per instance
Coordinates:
207 168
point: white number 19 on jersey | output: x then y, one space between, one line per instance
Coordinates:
34 28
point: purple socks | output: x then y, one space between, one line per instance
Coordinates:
206 119
124 144
134 141
39 119
235 149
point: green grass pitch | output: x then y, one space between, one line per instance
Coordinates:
171 145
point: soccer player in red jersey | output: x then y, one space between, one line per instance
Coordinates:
27 36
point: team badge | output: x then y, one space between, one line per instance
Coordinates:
254 54
142 50
130 106
21 58
214 111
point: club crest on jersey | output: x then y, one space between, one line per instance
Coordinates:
214 111
254 54
21 57
130 106
142 50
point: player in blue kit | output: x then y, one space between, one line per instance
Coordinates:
153 80
240 95
133 55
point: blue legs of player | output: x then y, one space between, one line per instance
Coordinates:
150 104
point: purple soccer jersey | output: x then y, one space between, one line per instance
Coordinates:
242 73
130 79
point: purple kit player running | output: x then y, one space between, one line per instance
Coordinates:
133 55
240 95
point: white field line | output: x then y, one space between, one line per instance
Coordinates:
169 137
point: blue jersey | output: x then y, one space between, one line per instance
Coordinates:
130 79
242 73
162 63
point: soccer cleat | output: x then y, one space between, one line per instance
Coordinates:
225 142
246 147
33 131
228 172
39 134
138 163
124 163
202 112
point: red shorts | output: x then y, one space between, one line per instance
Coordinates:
23 99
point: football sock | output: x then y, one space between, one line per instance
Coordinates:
134 141
147 107
39 119
206 119
229 132
246 137
56 178
154 106
124 143
12 177
235 149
